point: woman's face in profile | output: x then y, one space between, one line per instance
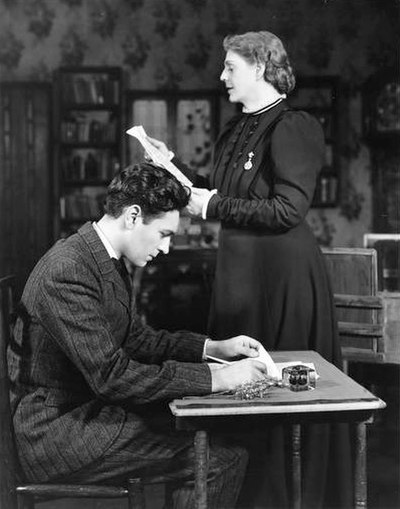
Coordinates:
239 77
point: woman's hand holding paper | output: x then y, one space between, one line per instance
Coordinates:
159 145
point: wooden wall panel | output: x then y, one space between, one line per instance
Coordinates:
25 176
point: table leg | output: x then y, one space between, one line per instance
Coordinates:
201 468
360 474
296 465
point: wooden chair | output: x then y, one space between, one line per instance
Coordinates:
11 488
359 307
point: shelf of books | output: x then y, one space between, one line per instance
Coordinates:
88 144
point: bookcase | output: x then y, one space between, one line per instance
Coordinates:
88 142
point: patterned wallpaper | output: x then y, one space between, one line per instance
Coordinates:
177 44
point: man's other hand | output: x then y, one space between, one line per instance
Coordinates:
233 348
229 377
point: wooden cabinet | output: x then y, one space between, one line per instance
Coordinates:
187 121
88 144
25 176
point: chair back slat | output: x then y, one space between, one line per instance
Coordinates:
353 271
359 307
8 462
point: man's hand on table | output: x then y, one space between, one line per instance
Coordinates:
228 377
233 348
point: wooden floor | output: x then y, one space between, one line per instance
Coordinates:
383 448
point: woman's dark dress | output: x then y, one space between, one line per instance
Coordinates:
271 282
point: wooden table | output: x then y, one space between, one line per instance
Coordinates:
336 398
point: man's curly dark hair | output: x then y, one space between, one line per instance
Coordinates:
154 189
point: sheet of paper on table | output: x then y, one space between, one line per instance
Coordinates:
275 369
158 157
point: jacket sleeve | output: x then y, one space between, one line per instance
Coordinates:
297 152
69 307
151 346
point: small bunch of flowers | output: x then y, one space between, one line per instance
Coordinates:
254 390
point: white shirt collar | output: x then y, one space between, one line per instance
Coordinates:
105 241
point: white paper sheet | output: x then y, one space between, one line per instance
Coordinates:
158 157
274 370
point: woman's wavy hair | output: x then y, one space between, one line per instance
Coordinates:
266 48
154 189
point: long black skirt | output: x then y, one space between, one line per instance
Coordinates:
275 288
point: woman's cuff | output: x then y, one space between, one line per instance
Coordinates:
205 203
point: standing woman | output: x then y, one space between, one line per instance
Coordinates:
271 282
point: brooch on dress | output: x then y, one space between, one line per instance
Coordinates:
248 165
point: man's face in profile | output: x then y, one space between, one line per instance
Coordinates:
150 237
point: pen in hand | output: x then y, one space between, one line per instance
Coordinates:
216 359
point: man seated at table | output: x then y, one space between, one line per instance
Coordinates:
90 383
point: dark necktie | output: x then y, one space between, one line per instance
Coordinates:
123 272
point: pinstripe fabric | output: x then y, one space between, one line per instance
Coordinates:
170 457
81 364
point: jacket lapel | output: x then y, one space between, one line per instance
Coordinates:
104 263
